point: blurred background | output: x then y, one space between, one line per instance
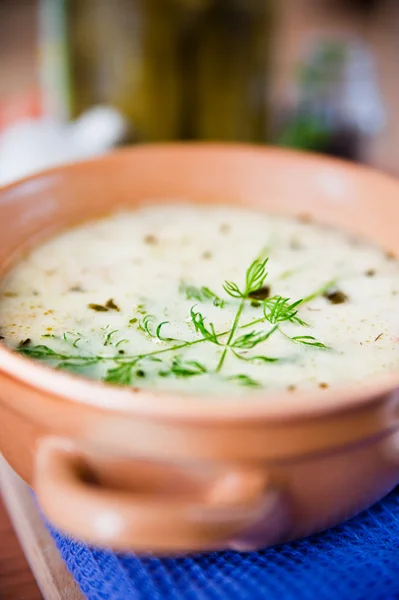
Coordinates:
320 75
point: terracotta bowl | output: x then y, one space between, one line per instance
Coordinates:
170 473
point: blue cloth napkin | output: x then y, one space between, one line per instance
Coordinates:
358 560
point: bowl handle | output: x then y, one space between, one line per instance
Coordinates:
239 509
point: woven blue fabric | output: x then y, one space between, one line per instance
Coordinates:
358 560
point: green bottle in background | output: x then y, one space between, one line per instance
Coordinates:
177 69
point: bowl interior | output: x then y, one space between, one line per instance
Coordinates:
356 199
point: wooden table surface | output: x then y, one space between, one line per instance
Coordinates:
39 551
16 579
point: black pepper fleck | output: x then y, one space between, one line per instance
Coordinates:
370 273
140 373
207 255
24 343
260 294
336 297
111 305
98 307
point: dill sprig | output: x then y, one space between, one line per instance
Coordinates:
256 359
278 309
320 291
202 294
145 325
207 332
108 338
254 279
64 361
40 351
245 380
151 329
184 368
307 340
129 369
252 339
121 374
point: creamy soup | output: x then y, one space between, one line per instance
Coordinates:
200 299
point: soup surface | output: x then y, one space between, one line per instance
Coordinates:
206 299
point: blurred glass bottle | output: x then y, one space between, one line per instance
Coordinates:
177 69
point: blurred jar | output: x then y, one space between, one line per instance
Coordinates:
177 69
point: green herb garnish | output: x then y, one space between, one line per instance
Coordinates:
182 368
126 369
202 294
245 380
